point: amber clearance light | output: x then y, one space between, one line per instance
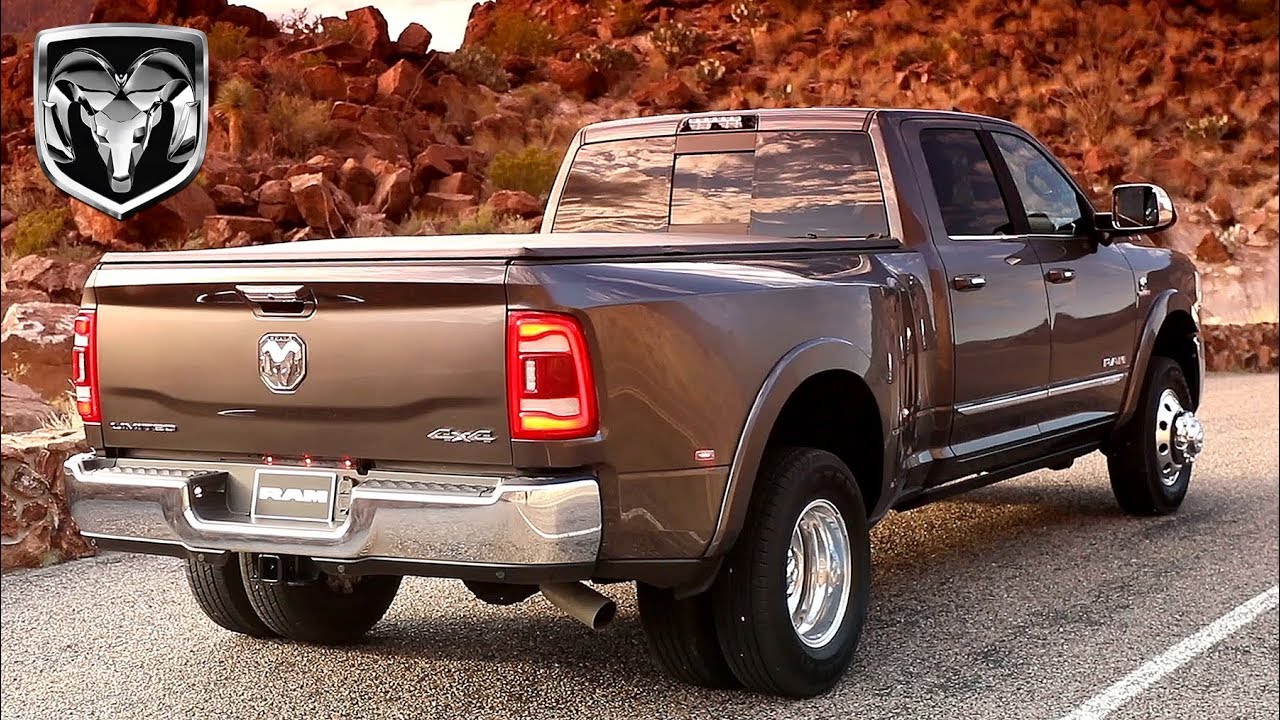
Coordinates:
551 394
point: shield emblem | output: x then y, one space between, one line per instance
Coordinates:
282 361
121 112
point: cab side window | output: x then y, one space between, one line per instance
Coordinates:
964 184
1053 206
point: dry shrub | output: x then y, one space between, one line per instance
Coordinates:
627 18
516 34
26 189
481 221
478 66
677 42
532 170
36 231
228 41
300 124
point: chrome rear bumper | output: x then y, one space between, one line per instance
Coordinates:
178 507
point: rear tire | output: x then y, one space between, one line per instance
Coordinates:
332 610
219 591
681 635
1141 478
805 500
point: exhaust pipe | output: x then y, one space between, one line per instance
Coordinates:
581 603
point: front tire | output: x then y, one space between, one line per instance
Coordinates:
1149 465
220 593
792 596
331 610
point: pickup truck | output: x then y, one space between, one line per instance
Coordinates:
738 341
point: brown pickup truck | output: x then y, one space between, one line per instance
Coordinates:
738 341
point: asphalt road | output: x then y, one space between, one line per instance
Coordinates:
1022 600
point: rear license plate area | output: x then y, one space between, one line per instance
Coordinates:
294 494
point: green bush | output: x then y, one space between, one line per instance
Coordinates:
228 41
38 229
478 66
301 125
516 34
532 170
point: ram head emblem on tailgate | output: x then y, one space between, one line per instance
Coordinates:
282 361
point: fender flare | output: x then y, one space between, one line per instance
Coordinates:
798 365
1165 304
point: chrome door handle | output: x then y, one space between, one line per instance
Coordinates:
273 293
968 282
1060 275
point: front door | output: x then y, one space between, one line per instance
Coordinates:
1091 292
999 311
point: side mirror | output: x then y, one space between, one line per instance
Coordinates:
1141 207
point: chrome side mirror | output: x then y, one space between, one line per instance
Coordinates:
1141 207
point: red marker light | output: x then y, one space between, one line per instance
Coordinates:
268 460
306 460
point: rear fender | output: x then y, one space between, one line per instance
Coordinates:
799 364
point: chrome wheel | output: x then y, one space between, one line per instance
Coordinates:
1179 437
818 573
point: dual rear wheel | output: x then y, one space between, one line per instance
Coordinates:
329 609
785 614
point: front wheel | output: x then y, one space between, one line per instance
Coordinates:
330 610
792 596
1150 464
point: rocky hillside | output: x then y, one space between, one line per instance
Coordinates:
328 126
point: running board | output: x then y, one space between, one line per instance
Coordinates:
1056 461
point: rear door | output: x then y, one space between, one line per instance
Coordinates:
1000 313
380 361
1090 286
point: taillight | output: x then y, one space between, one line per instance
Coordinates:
84 366
550 391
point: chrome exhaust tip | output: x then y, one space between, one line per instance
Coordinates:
581 603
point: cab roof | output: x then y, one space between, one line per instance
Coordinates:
767 119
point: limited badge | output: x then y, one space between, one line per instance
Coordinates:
121 112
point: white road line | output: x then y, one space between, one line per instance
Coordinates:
1102 704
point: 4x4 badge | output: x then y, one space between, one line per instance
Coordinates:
121 112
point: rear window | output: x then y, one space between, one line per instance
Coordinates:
622 186
794 184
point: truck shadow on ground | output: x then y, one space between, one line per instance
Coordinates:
911 550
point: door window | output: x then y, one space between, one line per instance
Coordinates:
1052 204
965 184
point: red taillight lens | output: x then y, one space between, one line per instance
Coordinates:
84 366
550 391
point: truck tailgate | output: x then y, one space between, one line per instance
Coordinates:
205 357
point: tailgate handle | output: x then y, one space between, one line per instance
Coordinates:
279 300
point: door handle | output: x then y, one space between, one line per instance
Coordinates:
968 282
1060 275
